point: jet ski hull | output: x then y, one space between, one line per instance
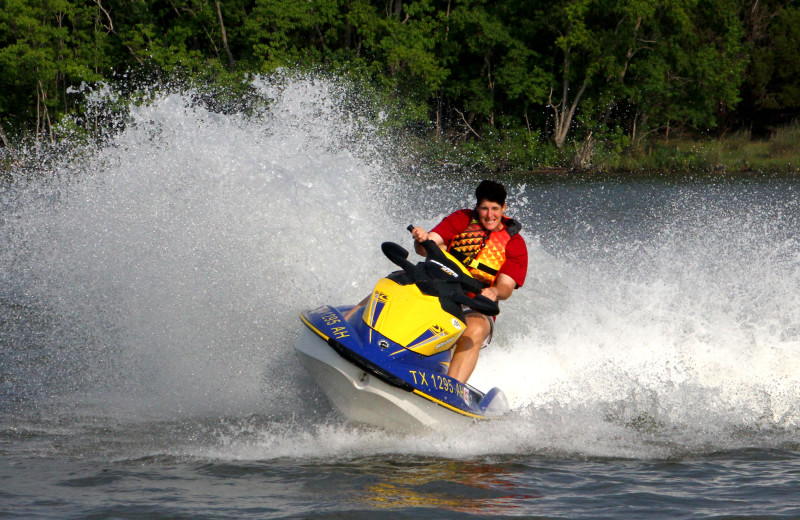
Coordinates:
363 397
356 380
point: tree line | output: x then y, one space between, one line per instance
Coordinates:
469 70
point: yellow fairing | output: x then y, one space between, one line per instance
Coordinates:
412 319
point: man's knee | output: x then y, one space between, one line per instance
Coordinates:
478 327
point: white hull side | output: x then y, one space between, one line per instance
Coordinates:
364 398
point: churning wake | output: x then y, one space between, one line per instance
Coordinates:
156 278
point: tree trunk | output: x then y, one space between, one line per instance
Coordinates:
562 115
4 138
38 108
583 157
224 36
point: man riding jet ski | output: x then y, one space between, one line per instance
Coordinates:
488 243
385 363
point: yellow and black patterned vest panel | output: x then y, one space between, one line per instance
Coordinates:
482 255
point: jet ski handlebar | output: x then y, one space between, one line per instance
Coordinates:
440 267
398 255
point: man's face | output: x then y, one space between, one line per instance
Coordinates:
489 214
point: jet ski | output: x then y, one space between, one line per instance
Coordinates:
384 363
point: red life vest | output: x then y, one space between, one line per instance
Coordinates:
483 253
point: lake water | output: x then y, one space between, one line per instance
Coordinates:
149 297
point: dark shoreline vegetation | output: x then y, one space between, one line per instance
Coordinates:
583 87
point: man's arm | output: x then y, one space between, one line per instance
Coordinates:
502 288
420 236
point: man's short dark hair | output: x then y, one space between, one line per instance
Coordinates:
491 191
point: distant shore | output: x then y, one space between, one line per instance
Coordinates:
736 154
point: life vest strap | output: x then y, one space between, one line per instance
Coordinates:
474 264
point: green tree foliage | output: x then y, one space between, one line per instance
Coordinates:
477 69
692 67
46 46
774 76
785 84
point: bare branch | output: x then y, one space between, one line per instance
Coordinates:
466 123
110 26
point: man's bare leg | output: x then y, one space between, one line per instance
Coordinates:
468 347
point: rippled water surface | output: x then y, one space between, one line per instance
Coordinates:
149 292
